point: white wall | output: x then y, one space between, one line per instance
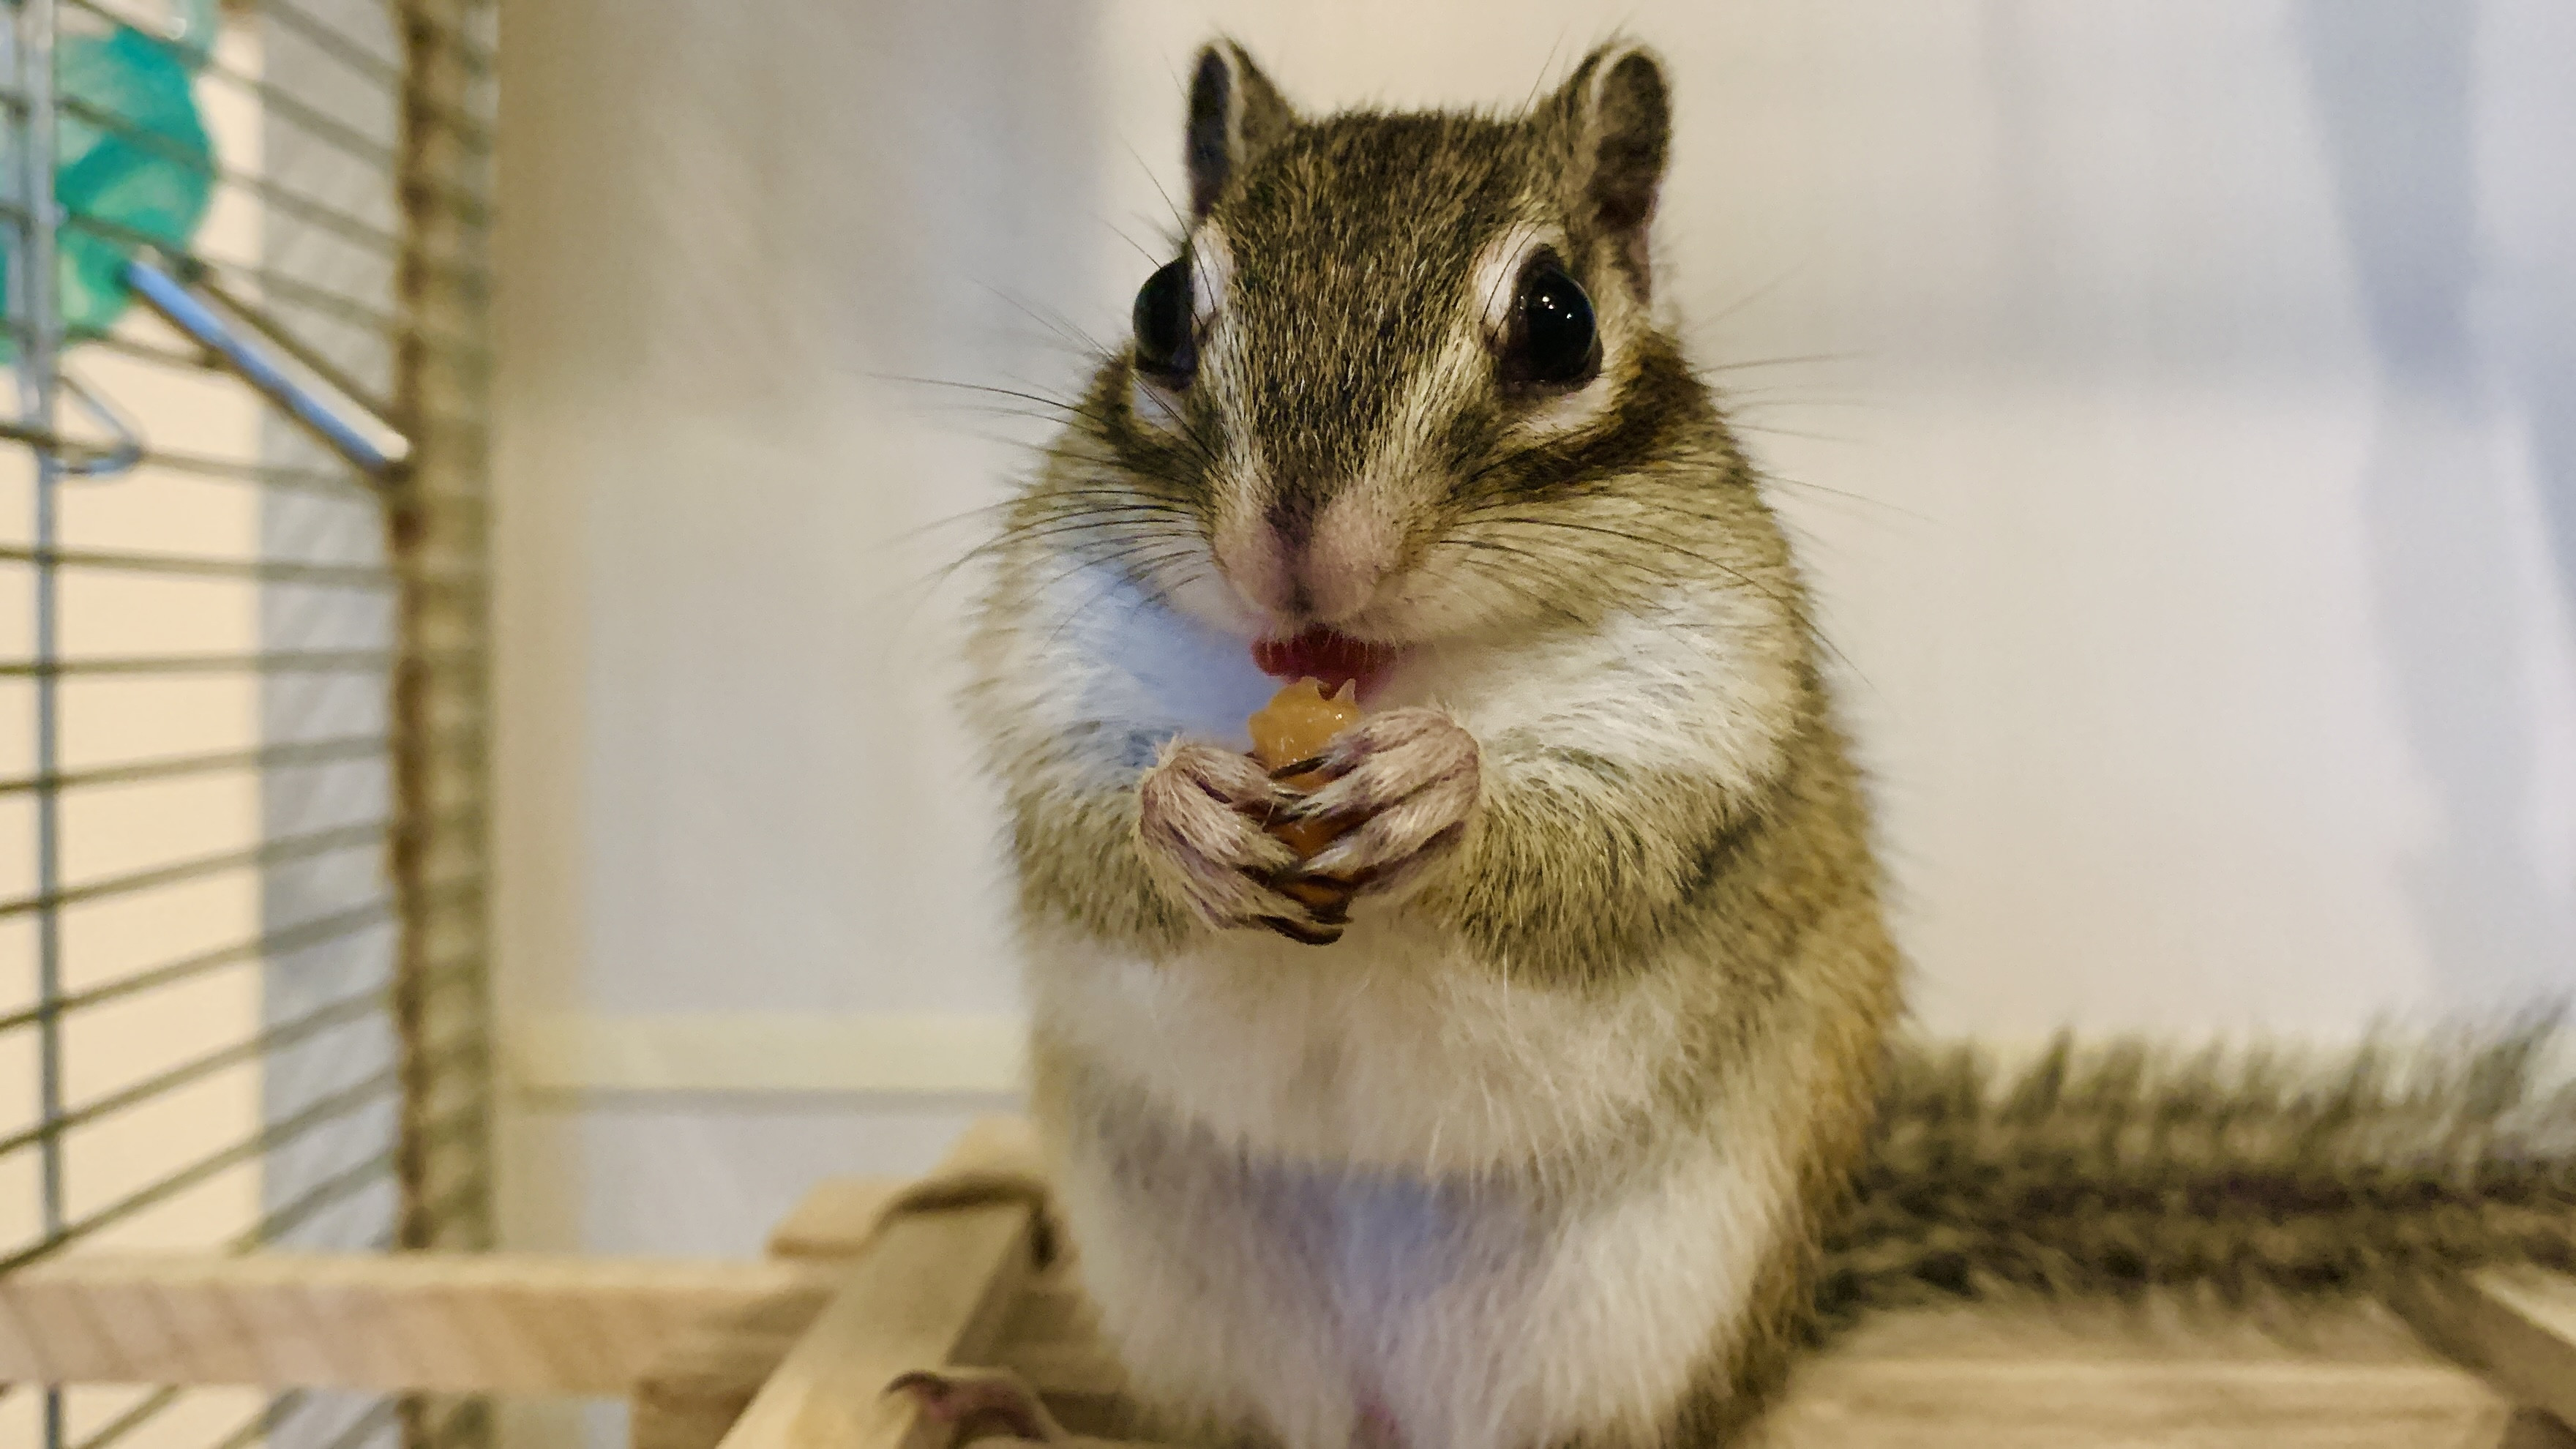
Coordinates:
2179 402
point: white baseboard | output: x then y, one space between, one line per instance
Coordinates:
893 1053
767 1052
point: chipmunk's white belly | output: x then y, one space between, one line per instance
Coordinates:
1384 1048
1479 1311
1342 1195
1475 1329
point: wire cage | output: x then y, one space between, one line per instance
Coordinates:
242 688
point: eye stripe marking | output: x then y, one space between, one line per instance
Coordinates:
1495 284
1211 272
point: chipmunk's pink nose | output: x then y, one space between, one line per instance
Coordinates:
1307 571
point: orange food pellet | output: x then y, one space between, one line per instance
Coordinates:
1297 724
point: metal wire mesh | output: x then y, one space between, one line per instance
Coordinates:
242 698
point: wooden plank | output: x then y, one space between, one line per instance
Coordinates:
464 1323
2013 1378
932 1288
2080 1378
700 1383
836 1217
839 1216
2077 1377
2516 1326
2039 1379
2062 1403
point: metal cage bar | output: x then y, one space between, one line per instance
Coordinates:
363 286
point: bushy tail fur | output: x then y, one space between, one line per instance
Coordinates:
2114 1171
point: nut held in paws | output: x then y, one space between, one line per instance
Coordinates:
1297 724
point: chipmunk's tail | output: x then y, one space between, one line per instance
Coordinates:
2117 1170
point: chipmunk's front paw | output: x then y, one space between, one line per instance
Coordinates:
1198 825
1403 785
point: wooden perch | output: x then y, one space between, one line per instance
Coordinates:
2069 1378
931 1289
707 1376
448 1322
869 1280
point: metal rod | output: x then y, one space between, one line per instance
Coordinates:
52 897
46 443
336 926
285 340
303 662
38 393
339 1187
351 486
331 42
312 752
133 347
394 835
283 200
278 287
322 930
276 100
314 1114
163 294
271 571
377 1416
142 351
311 661
340 1012
350 312
443 285
145 1409
266 1422
357 58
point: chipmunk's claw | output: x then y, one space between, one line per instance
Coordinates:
1199 825
1321 933
1401 788
1320 896
982 1403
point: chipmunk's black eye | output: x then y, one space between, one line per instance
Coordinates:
1165 350
1551 341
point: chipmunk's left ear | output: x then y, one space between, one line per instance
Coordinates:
1235 114
1615 116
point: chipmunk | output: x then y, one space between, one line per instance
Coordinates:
1513 1118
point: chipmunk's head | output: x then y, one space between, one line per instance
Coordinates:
1400 381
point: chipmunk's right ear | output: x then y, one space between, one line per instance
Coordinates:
1614 117
1234 113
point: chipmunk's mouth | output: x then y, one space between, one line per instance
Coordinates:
1328 658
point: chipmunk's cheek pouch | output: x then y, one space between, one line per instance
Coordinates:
1408 782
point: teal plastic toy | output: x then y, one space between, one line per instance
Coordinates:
146 175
